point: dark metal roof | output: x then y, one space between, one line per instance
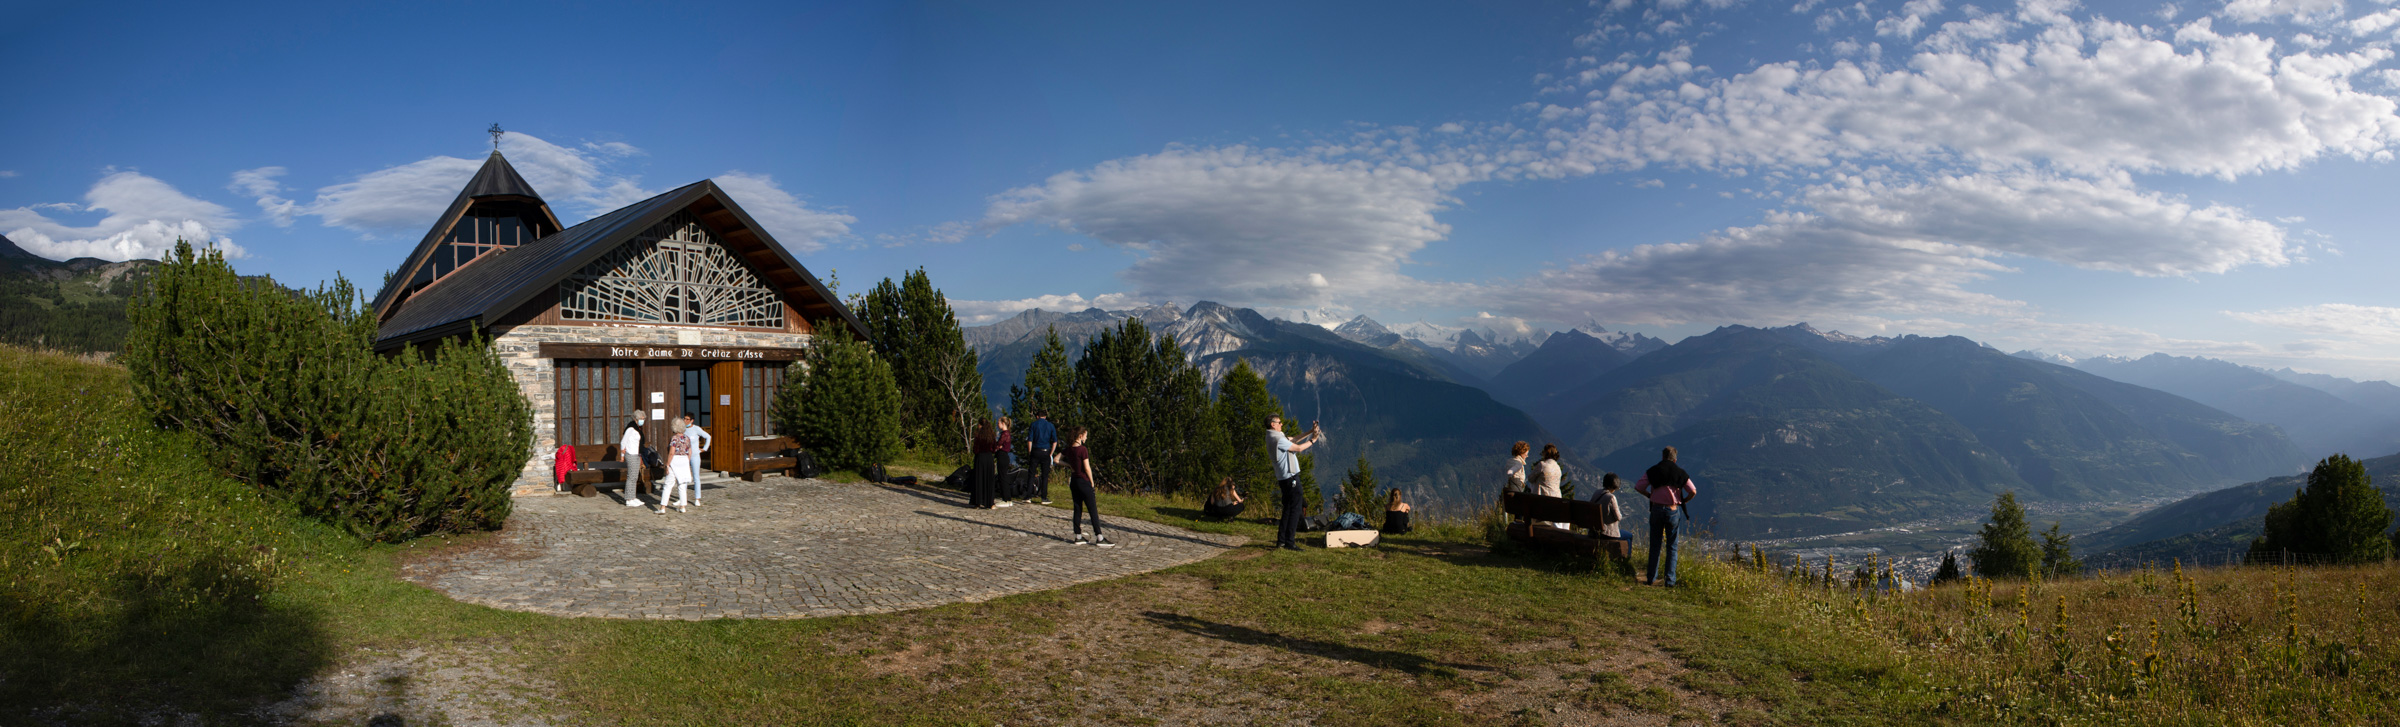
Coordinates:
496 179
482 292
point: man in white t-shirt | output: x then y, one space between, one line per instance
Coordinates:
700 441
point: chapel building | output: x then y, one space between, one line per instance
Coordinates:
677 303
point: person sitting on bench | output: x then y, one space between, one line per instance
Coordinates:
1611 514
1395 515
1225 503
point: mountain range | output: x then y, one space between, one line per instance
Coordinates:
2319 421
1415 416
76 305
1810 431
1797 431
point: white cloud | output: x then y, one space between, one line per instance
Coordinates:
1242 224
2361 322
2252 11
2083 98
406 198
2103 224
145 219
979 312
7 173
791 221
260 184
2372 23
1909 20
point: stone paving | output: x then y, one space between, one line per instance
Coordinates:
790 548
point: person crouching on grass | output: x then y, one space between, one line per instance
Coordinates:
1079 485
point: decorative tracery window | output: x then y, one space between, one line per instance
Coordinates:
671 273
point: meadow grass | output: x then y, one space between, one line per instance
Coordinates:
140 585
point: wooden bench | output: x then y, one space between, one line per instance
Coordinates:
763 455
585 474
1525 508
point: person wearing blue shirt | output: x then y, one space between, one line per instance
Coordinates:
1044 439
1287 479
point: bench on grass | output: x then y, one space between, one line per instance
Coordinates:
769 455
589 457
1525 508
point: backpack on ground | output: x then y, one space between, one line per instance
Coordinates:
1350 521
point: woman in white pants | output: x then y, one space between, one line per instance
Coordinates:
678 488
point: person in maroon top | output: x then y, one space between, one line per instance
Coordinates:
987 475
1078 460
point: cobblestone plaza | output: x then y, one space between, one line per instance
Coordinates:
789 548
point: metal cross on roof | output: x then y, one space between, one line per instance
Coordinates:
496 132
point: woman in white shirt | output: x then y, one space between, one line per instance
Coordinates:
1516 468
1546 477
630 450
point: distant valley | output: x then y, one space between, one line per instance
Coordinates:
1796 431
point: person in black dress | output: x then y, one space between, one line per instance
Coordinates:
1395 514
987 464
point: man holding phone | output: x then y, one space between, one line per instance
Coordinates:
1287 477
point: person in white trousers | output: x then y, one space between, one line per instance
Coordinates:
700 441
630 450
679 475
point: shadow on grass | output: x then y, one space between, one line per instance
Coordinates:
201 640
1397 660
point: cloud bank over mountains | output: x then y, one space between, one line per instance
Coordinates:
1899 180
146 215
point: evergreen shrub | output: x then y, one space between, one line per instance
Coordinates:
842 405
2005 549
286 393
2339 515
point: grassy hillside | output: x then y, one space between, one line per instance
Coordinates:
78 305
143 591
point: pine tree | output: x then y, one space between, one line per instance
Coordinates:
1049 386
2340 515
916 332
1949 570
1148 410
1359 494
1243 404
2005 548
842 405
2058 554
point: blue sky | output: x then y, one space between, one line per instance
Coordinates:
2195 178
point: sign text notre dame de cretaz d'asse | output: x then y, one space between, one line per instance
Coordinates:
652 352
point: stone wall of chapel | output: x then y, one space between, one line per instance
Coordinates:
519 348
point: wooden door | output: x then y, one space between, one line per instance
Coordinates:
725 417
661 400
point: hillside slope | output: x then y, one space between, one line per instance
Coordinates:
1787 442
2205 524
76 305
2319 422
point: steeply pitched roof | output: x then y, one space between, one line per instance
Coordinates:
496 186
480 293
